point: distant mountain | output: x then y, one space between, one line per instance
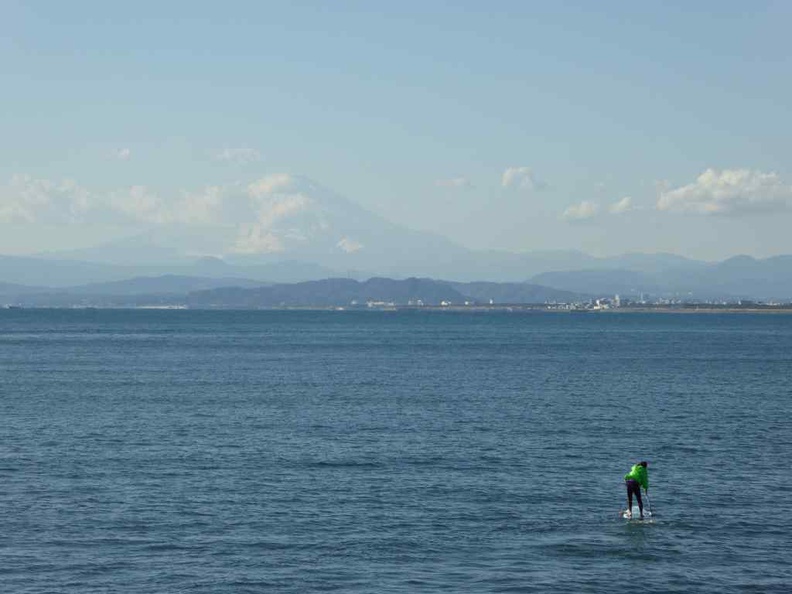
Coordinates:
524 266
168 284
741 277
136 251
343 292
330 292
629 275
290 218
602 282
12 290
283 218
288 271
38 271
747 277
513 293
649 263
289 229
28 270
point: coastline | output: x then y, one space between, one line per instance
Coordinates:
514 308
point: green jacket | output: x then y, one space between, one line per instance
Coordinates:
640 474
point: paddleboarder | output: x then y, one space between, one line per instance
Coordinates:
635 479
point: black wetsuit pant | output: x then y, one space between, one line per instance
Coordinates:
634 488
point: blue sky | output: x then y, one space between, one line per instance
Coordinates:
601 126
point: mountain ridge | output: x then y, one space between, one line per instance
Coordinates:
629 275
171 290
341 292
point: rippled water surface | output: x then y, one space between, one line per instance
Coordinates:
187 451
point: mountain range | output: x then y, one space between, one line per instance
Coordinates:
289 229
740 277
171 290
344 292
39 281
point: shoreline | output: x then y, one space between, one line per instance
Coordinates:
514 308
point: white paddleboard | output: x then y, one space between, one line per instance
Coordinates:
635 514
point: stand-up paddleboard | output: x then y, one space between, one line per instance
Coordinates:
635 514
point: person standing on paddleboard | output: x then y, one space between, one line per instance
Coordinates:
635 479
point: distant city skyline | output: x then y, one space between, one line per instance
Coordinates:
605 128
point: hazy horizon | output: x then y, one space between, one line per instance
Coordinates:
605 129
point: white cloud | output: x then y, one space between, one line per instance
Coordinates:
350 246
28 199
264 202
622 206
730 191
455 182
123 154
265 216
31 200
522 178
238 155
579 212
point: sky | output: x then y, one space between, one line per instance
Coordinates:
605 127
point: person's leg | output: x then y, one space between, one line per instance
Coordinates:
638 497
629 496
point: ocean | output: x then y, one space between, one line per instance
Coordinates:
359 451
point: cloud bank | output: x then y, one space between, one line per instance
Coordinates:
26 199
729 192
264 215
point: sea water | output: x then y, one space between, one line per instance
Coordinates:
278 451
